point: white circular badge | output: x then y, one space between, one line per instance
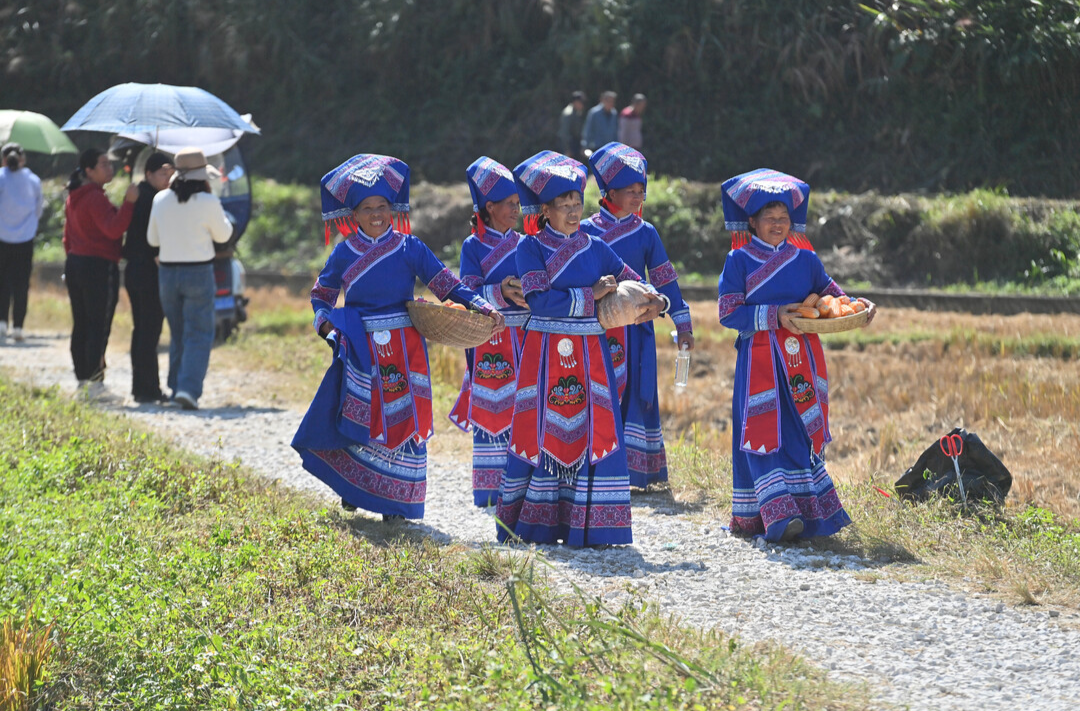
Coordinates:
566 347
381 337
791 345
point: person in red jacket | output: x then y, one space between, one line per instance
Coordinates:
93 235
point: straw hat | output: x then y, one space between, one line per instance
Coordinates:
191 165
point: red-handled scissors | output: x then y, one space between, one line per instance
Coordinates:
953 446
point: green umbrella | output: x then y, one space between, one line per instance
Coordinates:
34 132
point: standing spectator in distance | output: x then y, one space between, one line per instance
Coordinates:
185 222
93 230
630 122
601 124
571 122
20 209
141 282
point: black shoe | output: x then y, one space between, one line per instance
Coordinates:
347 506
151 399
392 517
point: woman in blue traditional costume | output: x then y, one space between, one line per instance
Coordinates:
621 174
566 477
780 406
489 265
365 433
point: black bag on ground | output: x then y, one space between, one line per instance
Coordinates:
985 477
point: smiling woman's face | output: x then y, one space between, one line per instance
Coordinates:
771 224
564 212
373 215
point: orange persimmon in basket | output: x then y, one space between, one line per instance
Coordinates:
452 305
829 306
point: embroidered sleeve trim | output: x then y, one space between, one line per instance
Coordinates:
682 321
482 305
663 275
535 281
324 294
442 283
729 302
833 289
766 317
472 281
628 274
321 317
493 293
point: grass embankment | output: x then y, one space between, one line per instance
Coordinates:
172 582
896 386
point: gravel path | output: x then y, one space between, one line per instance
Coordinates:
919 645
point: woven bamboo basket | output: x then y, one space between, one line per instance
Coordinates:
451 327
831 325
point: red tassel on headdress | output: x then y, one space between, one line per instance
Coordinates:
739 239
799 240
345 226
402 224
531 224
480 227
609 206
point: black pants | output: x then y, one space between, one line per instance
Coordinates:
141 282
93 286
16 262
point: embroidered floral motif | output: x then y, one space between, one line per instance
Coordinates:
472 281
628 274
493 366
568 391
392 378
801 390
618 355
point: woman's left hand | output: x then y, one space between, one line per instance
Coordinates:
511 291
653 309
686 337
871 308
500 322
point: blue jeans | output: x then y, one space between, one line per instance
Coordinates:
187 298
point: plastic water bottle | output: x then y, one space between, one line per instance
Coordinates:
682 363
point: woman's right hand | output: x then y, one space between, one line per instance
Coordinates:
605 286
325 328
785 315
132 193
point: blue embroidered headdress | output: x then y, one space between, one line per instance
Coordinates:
489 181
360 177
617 165
745 194
544 177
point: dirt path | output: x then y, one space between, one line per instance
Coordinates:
922 645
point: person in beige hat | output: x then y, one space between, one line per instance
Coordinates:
186 221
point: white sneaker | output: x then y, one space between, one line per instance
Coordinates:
17 334
91 390
186 401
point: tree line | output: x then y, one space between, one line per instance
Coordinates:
890 95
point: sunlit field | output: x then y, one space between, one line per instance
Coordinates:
895 388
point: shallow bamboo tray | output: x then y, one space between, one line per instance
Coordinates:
451 327
831 325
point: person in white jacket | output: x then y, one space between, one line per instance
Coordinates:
185 222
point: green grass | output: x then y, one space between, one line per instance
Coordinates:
174 582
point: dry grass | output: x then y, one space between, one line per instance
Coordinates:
25 655
895 387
